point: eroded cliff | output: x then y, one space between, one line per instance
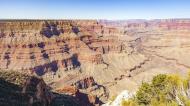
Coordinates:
99 58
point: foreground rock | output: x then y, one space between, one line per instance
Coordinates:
18 89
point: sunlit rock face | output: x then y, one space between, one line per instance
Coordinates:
98 57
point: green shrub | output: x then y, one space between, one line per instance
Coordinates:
144 94
163 91
128 103
159 81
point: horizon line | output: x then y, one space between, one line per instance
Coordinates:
88 19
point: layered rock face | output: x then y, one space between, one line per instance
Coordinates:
32 45
98 58
57 50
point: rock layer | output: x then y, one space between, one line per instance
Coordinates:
97 56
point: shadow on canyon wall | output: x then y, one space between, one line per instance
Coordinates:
53 66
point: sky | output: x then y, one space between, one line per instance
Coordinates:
94 9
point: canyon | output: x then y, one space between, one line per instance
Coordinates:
94 59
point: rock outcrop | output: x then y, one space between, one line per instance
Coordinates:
85 83
20 89
84 99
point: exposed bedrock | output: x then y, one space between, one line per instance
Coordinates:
20 89
99 57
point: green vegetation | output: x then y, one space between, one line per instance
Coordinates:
164 90
129 102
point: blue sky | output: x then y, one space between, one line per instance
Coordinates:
94 9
